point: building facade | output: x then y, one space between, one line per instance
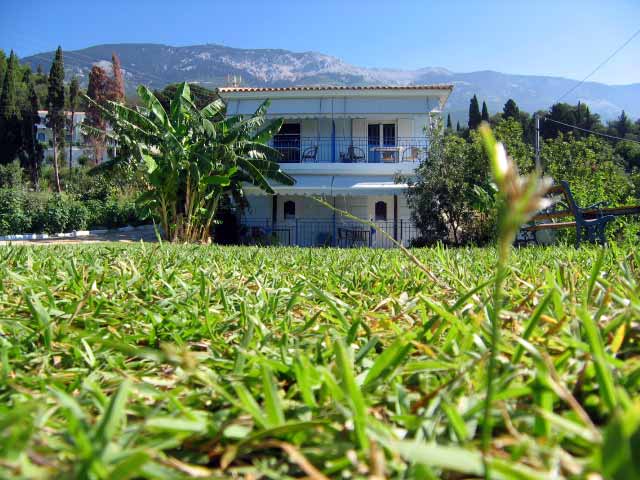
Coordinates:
350 147
80 147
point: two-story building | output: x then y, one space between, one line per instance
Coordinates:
346 145
74 136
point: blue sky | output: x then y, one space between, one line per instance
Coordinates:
566 38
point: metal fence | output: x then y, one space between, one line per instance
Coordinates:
297 149
327 233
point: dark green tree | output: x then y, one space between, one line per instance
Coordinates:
74 90
623 125
449 126
511 110
3 66
458 126
55 103
474 113
201 96
32 150
10 131
485 112
568 115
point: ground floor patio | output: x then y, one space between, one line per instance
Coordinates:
303 221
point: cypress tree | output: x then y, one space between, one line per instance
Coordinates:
55 101
623 124
117 83
485 112
74 90
30 145
474 113
458 126
449 126
3 68
511 110
8 98
10 131
98 92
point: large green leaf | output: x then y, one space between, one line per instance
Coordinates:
214 109
154 105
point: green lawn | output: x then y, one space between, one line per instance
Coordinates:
160 361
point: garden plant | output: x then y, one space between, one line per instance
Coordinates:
192 157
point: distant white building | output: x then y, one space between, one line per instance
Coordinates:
347 145
79 148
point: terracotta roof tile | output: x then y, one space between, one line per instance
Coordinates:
310 88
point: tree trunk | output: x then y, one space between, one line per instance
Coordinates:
55 161
73 112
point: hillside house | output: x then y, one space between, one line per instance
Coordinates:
347 145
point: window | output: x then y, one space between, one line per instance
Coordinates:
381 212
41 137
289 210
381 135
287 142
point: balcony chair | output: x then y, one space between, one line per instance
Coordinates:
310 154
414 154
353 155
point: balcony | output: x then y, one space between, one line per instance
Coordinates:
322 232
298 149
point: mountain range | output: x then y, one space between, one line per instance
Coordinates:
212 65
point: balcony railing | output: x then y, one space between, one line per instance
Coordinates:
310 232
297 149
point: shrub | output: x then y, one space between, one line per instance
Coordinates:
88 187
11 175
14 216
53 217
591 167
78 216
442 197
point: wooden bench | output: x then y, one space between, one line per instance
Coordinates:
590 222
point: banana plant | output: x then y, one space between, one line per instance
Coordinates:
193 157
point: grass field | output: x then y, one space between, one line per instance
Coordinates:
160 361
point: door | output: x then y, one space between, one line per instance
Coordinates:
381 213
287 142
380 135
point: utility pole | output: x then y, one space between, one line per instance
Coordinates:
537 143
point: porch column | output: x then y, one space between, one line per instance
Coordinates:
335 240
274 209
333 141
395 217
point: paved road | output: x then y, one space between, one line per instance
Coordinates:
144 234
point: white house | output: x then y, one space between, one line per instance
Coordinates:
347 145
79 146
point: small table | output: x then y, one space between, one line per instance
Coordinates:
351 236
390 154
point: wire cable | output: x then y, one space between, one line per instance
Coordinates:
602 64
613 137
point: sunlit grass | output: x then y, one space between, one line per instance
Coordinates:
164 361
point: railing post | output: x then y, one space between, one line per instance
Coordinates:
395 217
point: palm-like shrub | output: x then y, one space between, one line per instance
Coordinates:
193 157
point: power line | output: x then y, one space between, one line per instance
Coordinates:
613 137
601 65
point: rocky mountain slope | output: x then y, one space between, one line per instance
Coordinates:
211 65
